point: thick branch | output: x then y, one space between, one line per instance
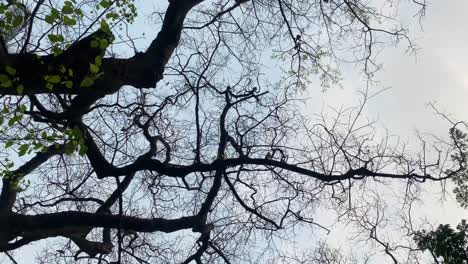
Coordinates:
27 223
143 70
8 195
108 170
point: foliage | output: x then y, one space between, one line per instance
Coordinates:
445 243
460 141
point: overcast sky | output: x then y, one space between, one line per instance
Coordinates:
437 73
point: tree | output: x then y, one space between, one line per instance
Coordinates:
159 156
446 243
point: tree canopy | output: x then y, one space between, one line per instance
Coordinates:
446 243
178 132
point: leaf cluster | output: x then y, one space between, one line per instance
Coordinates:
447 245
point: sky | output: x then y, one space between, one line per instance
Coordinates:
437 73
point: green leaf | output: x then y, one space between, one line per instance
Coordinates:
7 84
98 61
112 16
70 72
55 13
3 8
4 78
10 70
87 81
82 150
103 44
56 50
23 149
14 120
55 38
104 3
67 8
105 26
76 132
53 78
94 44
49 19
69 149
20 89
68 84
9 143
52 37
68 21
17 21
37 145
93 68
